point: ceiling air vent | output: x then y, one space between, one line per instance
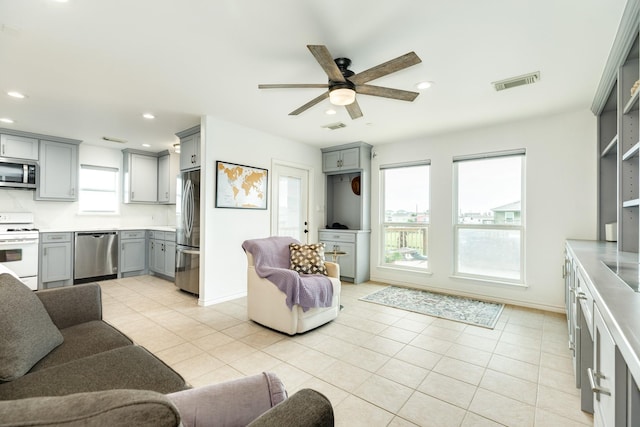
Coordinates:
525 79
334 126
110 139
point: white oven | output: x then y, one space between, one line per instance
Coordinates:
19 246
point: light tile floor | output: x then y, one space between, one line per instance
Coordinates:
379 366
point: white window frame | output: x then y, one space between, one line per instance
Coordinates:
84 187
457 227
383 222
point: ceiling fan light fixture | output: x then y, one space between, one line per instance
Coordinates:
342 96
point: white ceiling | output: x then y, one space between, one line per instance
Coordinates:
90 68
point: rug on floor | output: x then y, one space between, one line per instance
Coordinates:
460 309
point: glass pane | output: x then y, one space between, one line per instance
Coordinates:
97 201
406 194
289 209
94 179
489 252
489 191
406 246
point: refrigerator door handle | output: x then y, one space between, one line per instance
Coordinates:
187 208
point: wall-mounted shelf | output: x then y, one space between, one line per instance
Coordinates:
611 148
632 104
631 152
633 203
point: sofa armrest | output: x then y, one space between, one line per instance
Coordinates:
307 408
333 269
232 403
72 305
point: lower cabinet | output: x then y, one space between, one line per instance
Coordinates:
354 261
162 253
133 253
56 260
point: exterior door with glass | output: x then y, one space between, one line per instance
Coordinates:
290 202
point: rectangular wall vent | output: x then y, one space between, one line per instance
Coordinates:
509 83
334 126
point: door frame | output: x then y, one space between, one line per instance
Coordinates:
275 164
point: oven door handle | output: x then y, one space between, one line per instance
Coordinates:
18 241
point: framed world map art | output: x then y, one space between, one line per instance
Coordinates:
240 186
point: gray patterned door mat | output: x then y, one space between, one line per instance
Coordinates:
460 309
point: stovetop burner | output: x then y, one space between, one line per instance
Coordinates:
22 229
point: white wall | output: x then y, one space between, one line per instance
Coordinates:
561 185
223 274
64 215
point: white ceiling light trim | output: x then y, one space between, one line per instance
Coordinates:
6 120
16 94
148 116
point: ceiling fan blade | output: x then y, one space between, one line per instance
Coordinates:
387 92
310 104
354 110
294 85
397 64
322 55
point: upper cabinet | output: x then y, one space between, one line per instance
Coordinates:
18 147
140 180
168 169
189 148
341 160
58 178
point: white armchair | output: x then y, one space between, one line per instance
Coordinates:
266 303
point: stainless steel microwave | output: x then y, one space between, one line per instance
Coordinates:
15 173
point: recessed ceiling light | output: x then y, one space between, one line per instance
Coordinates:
148 116
330 112
6 120
424 85
15 94
146 145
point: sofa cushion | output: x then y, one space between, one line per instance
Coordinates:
308 259
27 333
104 408
83 340
307 408
129 367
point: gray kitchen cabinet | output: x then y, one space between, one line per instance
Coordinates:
18 147
56 260
340 160
140 180
162 253
189 148
354 263
133 253
168 170
58 177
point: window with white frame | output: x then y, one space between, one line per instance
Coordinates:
489 216
98 189
405 215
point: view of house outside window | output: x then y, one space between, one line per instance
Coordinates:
405 227
98 189
489 223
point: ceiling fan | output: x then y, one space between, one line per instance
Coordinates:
344 84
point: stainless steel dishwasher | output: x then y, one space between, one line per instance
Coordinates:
96 256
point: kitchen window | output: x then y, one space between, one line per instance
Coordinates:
98 189
489 216
405 215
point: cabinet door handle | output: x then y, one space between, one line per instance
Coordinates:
3 150
581 296
132 195
592 382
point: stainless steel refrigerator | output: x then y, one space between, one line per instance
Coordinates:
188 232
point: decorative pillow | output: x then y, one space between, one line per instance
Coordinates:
27 333
308 259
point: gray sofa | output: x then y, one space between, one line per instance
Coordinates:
61 364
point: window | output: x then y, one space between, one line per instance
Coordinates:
98 189
489 224
405 215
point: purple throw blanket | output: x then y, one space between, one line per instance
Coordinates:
272 261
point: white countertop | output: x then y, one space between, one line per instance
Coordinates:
124 228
